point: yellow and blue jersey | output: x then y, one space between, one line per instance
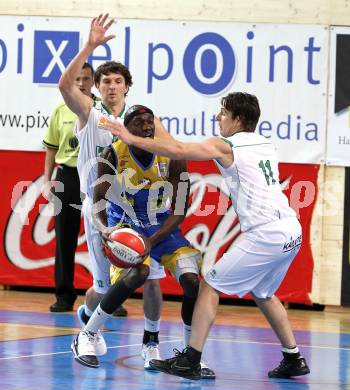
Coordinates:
144 191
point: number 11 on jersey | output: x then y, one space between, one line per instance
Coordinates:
267 171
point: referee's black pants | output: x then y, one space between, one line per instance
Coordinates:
67 225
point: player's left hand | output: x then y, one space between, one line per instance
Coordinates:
105 235
119 130
148 246
98 30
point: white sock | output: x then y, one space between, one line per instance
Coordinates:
186 334
98 318
152 326
290 350
88 312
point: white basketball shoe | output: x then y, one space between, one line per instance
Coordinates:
100 345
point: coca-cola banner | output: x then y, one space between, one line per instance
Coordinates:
180 69
28 245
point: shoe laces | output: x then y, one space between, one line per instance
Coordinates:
179 353
152 351
152 347
99 336
92 337
285 363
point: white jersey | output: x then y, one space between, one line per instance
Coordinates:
92 139
253 181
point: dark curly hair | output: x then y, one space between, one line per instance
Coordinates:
245 106
113 67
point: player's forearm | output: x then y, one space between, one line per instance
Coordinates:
67 80
169 148
173 149
168 226
160 130
178 150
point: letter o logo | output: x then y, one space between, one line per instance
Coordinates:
209 63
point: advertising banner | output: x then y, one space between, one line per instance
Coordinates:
181 70
345 285
338 129
26 224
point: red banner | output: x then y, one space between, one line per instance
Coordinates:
28 246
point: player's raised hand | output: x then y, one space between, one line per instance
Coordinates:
98 29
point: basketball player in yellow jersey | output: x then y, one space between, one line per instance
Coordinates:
137 186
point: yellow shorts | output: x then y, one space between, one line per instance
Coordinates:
184 254
115 273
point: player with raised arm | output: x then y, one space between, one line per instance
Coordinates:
113 80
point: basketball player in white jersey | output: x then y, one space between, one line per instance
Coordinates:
113 81
271 234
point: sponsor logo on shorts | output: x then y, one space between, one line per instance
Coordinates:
288 246
212 273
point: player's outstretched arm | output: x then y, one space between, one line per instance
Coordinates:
212 148
160 130
77 102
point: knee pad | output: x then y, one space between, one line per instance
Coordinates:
188 262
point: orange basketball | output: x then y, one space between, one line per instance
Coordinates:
124 248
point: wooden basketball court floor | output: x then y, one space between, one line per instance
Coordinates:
35 349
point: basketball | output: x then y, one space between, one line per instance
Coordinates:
124 248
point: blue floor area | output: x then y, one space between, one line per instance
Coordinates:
240 356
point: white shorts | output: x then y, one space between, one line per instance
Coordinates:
258 261
99 263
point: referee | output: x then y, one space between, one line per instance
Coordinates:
62 149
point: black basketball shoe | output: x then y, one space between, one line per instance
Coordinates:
206 372
290 367
178 365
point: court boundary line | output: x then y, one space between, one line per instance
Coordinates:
177 338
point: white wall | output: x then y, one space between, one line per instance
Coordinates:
267 11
